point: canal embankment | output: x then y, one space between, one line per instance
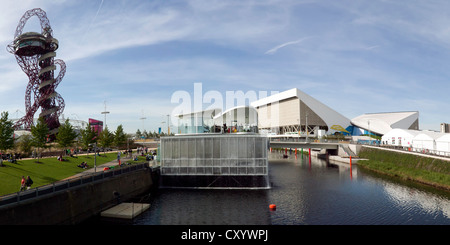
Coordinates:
433 171
73 205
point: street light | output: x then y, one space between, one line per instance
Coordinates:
143 118
105 112
168 125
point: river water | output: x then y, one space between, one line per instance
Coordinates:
305 192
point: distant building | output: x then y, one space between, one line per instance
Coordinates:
96 125
234 120
294 112
445 128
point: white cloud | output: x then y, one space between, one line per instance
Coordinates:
381 49
275 49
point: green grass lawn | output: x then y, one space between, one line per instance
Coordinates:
46 171
427 170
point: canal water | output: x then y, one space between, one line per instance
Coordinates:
305 192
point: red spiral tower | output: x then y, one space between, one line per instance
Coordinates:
35 54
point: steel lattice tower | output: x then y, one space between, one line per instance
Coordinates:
35 54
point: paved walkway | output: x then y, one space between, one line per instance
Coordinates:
409 152
99 168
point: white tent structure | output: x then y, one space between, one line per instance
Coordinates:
443 145
426 141
399 137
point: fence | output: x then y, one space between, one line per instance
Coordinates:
66 184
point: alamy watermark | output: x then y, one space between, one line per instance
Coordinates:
213 103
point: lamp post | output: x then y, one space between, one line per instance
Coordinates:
95 157
168 125
105 112
143 128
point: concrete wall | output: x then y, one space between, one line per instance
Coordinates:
76 204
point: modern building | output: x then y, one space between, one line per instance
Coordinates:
294 111
234 120
96 125
381 123
197 122
445 128
209 160
215 149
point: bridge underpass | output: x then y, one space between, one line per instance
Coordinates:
333 148
304 145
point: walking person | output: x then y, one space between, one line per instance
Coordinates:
118 157
28 182
22 184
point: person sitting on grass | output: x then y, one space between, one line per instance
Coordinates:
83 165
12 160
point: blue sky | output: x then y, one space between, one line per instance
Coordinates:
355 56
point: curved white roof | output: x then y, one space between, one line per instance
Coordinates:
382 123
328 115
428 135
397 132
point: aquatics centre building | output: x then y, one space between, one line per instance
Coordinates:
293 112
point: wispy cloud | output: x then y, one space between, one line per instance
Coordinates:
275 49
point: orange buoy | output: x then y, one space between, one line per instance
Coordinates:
105 168
272 206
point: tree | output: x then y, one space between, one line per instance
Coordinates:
106 138
88 136
66 135
138 134
40 134
145 134
6 132
26 143
120 138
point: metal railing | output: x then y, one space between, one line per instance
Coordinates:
39 191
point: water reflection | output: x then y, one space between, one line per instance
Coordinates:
320 192
306 191
208 207
411 198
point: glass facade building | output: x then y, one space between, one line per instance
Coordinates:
235 120
214 154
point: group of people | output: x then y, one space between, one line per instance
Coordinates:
12 158
25 183
142 150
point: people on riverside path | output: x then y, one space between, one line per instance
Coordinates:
28 182
22 184
118 157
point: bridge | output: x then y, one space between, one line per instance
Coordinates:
305 145
283 141
295 141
